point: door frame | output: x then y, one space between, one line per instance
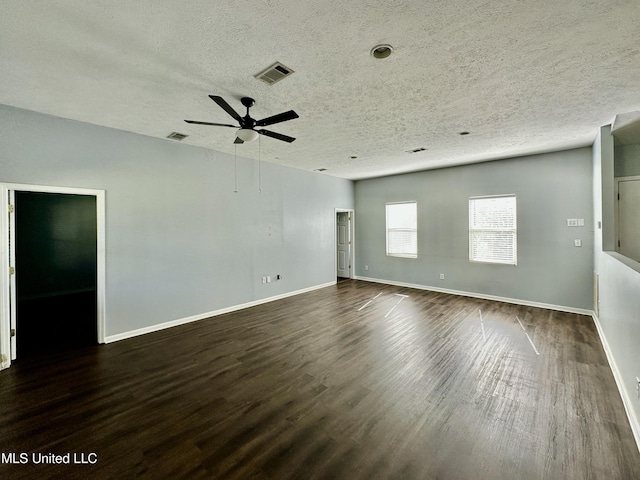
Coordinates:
7 253
616 210
352 232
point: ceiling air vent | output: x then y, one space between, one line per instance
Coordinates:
274 73
416 150
177 136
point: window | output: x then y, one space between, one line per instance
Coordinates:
492 229
402 229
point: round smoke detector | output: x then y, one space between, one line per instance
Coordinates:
381 51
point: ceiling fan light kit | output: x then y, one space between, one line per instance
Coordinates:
247 131
247 135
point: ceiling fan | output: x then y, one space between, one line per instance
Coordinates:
247 131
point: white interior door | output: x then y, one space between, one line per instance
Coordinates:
629 218
343 240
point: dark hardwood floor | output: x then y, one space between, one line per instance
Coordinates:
355 381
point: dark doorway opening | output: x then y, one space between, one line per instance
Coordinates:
56 272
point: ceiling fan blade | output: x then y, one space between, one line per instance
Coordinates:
238 140
226 107
279 136
281 117
209 123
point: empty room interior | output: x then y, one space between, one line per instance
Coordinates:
339 240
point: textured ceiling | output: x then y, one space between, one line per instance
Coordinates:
521 76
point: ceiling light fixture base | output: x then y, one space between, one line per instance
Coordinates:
381 51
248 102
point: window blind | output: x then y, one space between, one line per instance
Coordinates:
402 229
493 230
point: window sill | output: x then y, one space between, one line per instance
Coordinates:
493 263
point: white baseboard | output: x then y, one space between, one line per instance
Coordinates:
201 316
516 301
624 394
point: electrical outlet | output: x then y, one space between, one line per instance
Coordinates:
264 279
442 276
268 278
366 267
278 277
577 242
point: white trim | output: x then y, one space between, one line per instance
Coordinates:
627 179
5 316
616 204
194 318
101 274
51 189
516 301
624 394
493 196
13 308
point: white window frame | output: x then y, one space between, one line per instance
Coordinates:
409 230
513 231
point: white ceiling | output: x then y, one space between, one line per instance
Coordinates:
521 76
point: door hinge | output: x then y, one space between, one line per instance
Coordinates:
618 197
13 332
12 270
11 208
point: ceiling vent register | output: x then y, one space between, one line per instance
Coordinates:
274 73
177 136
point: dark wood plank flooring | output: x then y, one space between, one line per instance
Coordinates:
326 385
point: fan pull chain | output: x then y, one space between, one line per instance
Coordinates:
235 168
259 168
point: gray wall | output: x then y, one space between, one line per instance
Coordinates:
627 160
619 281
550 188
179 241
